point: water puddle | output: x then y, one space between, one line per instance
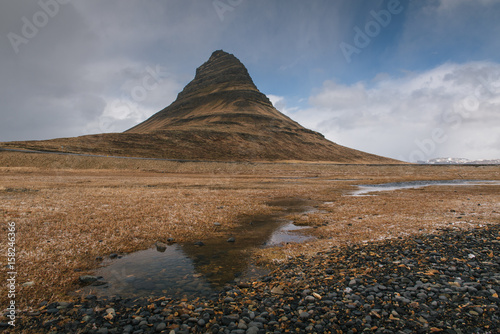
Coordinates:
366 189
287 233
189 270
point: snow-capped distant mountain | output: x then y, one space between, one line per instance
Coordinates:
460 161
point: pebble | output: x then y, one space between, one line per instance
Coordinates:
393 286
242 325
161 326
161 247
278 290
304 315
310 299
252 330
87 279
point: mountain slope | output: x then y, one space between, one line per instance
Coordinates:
219 115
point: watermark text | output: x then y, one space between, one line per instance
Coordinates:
363 37
31 27
11 273
223 6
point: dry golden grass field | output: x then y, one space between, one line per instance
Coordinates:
68 210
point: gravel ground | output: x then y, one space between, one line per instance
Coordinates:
447 282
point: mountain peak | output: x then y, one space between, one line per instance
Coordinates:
222 92
222 71
217 54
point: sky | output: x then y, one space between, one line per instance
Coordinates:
411 80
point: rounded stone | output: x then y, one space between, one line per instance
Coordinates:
161 326
304 315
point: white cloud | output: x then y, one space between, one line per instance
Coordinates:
451 110
280 103
143 90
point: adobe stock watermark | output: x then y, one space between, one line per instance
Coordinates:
223 6
453 118
30 27
11 273
151 80
363 37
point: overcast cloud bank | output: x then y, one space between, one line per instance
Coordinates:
439 112
425 86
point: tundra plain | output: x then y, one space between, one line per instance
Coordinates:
70 210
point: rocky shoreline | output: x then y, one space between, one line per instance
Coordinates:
447 282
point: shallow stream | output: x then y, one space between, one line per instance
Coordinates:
189 270
365 189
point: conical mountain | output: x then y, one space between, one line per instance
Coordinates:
219 115
226 117
221 97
